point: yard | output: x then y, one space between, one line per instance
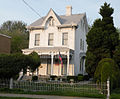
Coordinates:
83 89
115 94
16 98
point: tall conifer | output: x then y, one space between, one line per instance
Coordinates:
101 39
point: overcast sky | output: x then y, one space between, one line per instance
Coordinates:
17 10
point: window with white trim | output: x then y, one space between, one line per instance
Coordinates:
50 39
37 40
81 44
65 39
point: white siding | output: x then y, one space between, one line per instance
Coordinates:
79 34
74 36
57 37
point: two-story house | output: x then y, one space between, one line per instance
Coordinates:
55 35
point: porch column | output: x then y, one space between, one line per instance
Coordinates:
52 55
37 72
68 63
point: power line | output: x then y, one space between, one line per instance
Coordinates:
31 8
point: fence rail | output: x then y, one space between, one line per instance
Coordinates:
81 87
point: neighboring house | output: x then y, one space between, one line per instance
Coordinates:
55 35
5 43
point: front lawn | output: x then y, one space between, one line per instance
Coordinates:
58 93
61 89
115 94
16 98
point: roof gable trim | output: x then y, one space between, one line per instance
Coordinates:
51 13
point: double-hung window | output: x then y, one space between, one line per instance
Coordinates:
50 39
65 39
37 39
81 44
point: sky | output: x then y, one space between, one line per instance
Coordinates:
17 10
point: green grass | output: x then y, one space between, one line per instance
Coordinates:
85 90
58 93
115 94
68 93
16 98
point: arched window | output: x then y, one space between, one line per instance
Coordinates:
82 64
50 22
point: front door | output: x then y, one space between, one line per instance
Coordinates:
64 67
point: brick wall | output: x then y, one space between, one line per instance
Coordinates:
5 44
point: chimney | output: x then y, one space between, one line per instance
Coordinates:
68 10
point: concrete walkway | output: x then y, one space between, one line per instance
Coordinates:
42 96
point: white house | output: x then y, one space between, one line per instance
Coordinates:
64 34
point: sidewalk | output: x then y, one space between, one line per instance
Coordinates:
42 96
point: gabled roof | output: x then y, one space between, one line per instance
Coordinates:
53 14
5 35
74 18
63 19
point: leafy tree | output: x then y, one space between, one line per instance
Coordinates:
101 39
34 62
17 30
107 68
12 64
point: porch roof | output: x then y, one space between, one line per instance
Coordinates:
48 49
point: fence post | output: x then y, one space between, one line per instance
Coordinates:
108 88
11 83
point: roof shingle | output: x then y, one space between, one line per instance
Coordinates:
74 18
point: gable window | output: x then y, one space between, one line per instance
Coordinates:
51 22
65 39
50 39
37 39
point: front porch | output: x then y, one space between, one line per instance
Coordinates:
50 63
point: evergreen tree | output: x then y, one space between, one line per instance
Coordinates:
101 39
117 55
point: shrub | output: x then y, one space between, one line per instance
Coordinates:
86 77
53 77
80 77
34 78
108 68
80 74
75 78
